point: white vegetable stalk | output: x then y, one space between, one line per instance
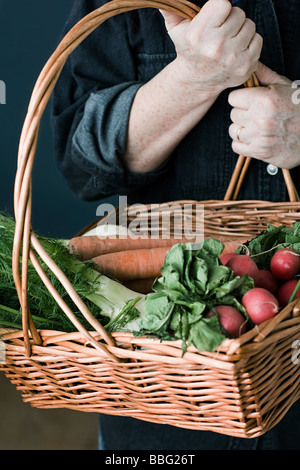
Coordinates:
113 298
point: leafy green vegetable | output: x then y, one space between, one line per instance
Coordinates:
193 280
263 246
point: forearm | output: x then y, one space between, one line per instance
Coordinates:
163 112
213 49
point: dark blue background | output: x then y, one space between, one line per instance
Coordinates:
29 32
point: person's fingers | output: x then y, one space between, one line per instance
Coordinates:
239 99
239 116
213 14
255 46
172 19
243 97
245 35
240 148
240 133
266 76
234 22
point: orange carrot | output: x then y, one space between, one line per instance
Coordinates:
142 286
132 264
90 246
231 245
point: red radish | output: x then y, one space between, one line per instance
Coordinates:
285 291
231 320
243 264
285 264
225 258
266 280
260 304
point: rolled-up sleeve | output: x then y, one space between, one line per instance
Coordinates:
91 107
100 139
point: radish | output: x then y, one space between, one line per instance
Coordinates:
225 258
266 280
261 305
285 264
285 291
243 264
231 320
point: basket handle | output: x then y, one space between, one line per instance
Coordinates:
25 237
239 174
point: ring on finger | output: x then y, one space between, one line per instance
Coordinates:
238 133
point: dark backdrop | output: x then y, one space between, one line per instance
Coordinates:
29 33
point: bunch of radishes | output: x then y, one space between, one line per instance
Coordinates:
273 288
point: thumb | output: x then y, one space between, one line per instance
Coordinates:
266 76
171 19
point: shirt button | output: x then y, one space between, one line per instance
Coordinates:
272 169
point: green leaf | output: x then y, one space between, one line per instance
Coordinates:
263 247
158 310
296 229
206 335
210 250
199 272
196 311
188 272
238 285
175 258
194 308
217 276
169 281
175 320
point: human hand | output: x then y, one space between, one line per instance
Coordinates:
218 49
266 121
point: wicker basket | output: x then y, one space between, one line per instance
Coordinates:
242 390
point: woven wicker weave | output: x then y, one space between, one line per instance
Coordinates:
243 389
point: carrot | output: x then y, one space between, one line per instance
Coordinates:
90 246
142 286
231 245
132 264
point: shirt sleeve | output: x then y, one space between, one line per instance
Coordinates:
90 110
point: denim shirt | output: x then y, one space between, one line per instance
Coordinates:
94 94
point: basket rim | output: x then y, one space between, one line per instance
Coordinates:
230 350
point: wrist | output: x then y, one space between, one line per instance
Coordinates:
191 84
193 88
